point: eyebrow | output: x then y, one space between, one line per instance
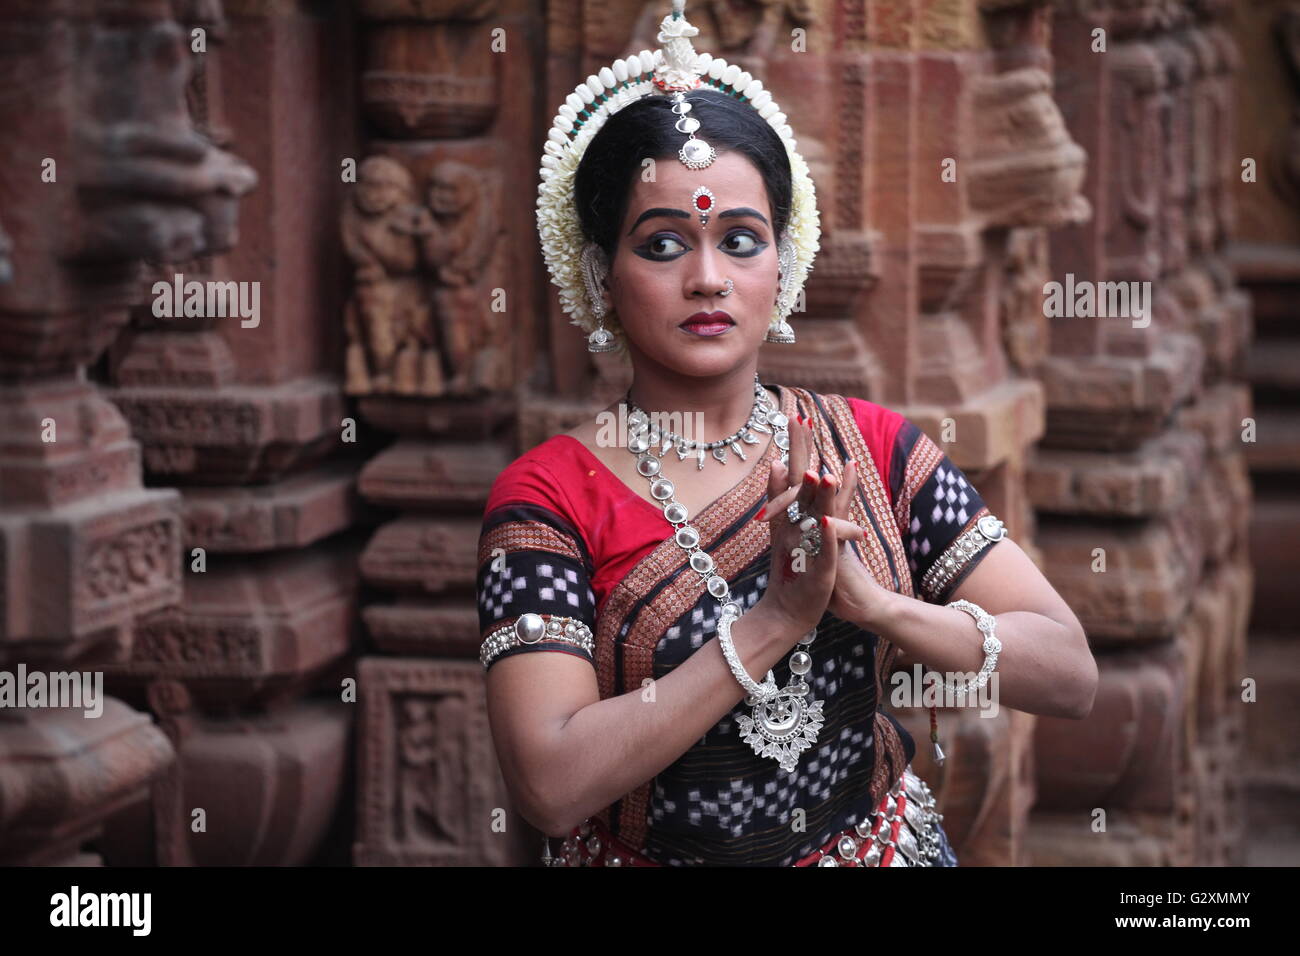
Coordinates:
683 214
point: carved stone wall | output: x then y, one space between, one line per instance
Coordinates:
260 523
1140 480
1266 255
245 414
95 182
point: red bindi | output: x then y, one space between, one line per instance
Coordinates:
702 200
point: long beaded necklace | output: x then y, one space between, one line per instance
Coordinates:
785 724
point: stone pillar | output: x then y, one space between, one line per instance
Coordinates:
243 410
1140 481
994 169
1265 186
97 178
444 281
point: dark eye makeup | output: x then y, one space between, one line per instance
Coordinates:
753 247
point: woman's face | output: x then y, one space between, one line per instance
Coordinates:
668 268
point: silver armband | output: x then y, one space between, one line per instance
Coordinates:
958 555
533 628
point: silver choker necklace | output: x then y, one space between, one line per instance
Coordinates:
646 434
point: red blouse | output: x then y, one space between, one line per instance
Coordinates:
617 525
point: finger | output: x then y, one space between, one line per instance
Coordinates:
848 487
776 506
799 442
824 501
830 539
792 458
777 482
807 491
779 492
847 531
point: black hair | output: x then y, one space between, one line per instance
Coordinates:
645 129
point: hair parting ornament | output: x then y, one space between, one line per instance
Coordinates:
575 264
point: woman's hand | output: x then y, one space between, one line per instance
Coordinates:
800 585
858 596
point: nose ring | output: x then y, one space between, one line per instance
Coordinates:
731 287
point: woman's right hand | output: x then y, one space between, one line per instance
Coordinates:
800 584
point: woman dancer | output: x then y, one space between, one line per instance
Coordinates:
691 603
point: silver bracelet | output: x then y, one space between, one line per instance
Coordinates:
992 646
758 693
533 628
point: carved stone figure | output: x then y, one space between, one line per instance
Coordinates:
459 252
155 188
1027 169
743 31
388 318
431 758
1026 268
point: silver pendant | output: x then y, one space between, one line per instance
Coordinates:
783 728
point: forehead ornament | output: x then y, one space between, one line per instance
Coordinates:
702 202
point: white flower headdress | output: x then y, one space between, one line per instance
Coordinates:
672 70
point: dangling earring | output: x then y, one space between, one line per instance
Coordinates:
780 332
594 265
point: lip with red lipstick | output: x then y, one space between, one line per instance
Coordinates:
707 324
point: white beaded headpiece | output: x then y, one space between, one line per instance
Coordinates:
672 70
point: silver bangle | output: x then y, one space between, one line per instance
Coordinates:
533 628
992 646
758 693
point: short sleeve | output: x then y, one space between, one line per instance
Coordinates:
532 560
947 528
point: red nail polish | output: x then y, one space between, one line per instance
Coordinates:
809 478
761 511
826 481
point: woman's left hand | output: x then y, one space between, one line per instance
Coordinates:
858 598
